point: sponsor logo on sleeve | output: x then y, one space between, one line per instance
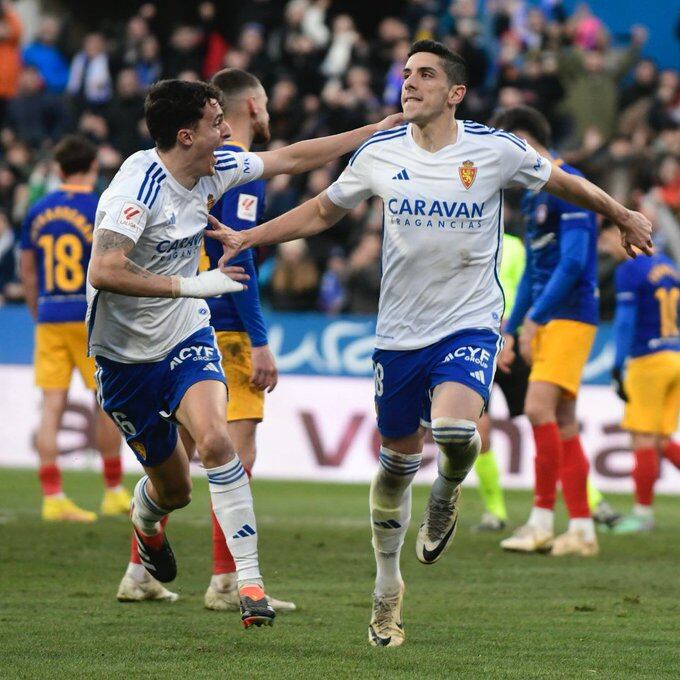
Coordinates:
131 216
247 207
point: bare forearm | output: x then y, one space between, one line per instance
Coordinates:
581 192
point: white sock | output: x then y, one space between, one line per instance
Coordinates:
233 506
541 518
645 511
57 496
585 525
136 572
147 513
390 505
117 488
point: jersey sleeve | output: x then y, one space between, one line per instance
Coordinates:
123 214
626 282
521 164
234 168
354 184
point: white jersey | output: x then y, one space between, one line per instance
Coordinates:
442 227
166 221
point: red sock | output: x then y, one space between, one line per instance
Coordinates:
645 473
671 451
548 446
223 561
158 540
50 479
113 472
574 478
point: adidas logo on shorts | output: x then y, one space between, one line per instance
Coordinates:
478 375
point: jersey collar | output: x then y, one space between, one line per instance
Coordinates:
430 154
76 188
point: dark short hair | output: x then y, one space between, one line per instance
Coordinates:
233 81
524 118
454 65
172 105
74 154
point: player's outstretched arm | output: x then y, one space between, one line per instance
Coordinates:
312 217
28 272
111 269
635 228
314 153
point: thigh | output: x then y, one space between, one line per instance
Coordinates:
455 400
131 395
77 346
560 352
52 361
542 401
400 381
171 474
245 401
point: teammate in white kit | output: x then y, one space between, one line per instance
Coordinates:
157 361
441 181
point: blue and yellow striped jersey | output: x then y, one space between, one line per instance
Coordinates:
58 228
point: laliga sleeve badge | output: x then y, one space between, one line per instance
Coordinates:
131 216
210 203
467 173
247 207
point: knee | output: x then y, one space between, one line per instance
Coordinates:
455 435
215 446
177 496
538 413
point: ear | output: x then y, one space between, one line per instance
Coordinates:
251 104
185 137
456 94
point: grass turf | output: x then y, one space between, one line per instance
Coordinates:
479 613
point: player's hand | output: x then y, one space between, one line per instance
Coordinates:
636 232
526 335
389 122
617 384
210 284
232 241
507 355
265 375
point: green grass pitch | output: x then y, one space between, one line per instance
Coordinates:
478 613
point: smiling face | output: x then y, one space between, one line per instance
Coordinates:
210 133
427 93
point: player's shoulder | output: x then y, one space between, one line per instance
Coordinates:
497 138
140 178
377 142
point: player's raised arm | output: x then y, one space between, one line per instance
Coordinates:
635 228
313 153
111 269
312 217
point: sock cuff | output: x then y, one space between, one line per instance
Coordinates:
142 496
225 477
399 463
546 427
453 430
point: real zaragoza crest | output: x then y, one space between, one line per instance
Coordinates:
467 173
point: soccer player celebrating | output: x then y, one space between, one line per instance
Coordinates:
56 240
157 361
557 309
648 353
441 181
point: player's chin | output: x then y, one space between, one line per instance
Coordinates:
411 111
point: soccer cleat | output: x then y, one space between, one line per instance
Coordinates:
438 528
65 510
633 524
574 543
490 522
116 502
255 610
131 590
159 562
387 623
222 596
528 538
605 516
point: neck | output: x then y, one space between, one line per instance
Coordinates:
241 132
436 134
80 179
179 166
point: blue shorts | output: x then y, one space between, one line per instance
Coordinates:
404 379
142 398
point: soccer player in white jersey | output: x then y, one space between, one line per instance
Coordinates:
441 181
157 361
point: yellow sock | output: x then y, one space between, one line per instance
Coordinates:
490 484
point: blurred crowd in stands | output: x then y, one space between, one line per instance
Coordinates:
615 114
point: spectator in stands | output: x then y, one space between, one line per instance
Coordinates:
148 66
89 82
295 278
10 288
332 290
46 56
10 56
363 275
126 113
184 53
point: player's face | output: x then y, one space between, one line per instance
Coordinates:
261 132
426 92
211 132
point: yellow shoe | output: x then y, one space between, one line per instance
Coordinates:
65 510
116 502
